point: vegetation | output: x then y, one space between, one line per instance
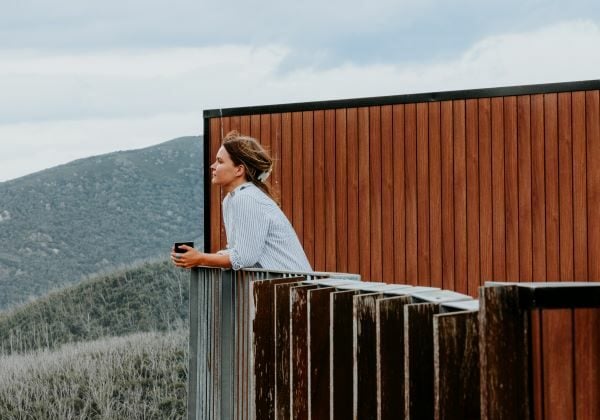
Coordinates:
93 318
142 376
148 297
91 215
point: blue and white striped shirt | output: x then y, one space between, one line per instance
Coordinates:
259 235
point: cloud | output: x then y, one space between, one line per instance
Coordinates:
556 53
31 147
42 86
136 97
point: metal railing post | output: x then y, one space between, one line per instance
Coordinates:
193 394
228 303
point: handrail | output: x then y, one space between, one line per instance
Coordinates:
219 331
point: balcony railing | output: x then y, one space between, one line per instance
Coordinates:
222 311
284 345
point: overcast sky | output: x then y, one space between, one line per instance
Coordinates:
81 78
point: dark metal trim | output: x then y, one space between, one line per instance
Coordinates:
404 99
557 297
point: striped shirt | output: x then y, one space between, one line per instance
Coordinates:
259 235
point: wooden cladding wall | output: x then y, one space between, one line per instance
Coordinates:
448 193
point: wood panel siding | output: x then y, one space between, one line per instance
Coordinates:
448 193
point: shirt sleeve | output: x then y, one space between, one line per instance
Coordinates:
250 232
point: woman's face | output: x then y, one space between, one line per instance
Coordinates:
225 173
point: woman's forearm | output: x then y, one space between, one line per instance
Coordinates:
214 260
194 258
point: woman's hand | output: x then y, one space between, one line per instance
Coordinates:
190 258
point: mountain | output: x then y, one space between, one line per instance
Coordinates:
93 215
150 296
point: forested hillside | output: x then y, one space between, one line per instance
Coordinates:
148 297
93 215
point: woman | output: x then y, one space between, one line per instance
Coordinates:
258 233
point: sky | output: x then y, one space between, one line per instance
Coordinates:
81 78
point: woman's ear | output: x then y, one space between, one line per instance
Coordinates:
240 170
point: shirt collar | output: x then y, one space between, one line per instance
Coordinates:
239 188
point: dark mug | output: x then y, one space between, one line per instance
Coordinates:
177 249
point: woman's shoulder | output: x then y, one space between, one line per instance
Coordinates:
250 193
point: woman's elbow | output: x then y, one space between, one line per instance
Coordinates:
240 261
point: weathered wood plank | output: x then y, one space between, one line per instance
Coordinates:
364 356
390 356
262 314
341 355
418 360
299 350
503 353
319 325
456 366
536 380
282 350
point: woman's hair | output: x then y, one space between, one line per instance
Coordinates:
247 151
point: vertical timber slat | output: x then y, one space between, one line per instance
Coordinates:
282 350
319 325
390 357
299 351
456 366
341 358
364 356
418 360
503 352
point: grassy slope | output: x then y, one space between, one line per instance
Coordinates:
142 376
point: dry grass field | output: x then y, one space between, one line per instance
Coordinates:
139 376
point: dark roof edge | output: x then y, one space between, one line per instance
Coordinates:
409 98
